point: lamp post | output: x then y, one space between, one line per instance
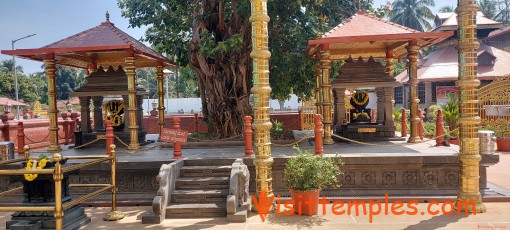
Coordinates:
14 70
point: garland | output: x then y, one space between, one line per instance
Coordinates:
364 95
30 166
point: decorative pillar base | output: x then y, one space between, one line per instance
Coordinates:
134 146
414 140
114 216
461 206
328 141
54 148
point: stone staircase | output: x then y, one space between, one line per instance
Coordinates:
201 188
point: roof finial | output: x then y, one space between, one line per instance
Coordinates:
107 16
358 2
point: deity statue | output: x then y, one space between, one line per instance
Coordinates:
359 101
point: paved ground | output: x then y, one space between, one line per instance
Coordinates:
497 217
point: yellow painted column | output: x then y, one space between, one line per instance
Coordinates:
390 66
261 90
51 75
412 57
326 95
318 94
133 108
161 97
469 120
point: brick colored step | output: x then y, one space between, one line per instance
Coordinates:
205 171
200 196
202 183
196 210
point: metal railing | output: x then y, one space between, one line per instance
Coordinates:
58 175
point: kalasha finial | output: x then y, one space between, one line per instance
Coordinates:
107 16
358 2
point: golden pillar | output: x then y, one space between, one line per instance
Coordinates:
58 176
469 121
261 90
51 70
318 97
326 95
161 97
390 66
133 108
412 57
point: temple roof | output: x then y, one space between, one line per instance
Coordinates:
103 45
443 65
449 22
497 33
369 36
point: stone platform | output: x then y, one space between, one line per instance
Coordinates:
368 132
419 170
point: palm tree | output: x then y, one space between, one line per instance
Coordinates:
446 9
413 13
488 8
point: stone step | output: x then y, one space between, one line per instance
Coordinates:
208 162
200 196
196 210
205 171
202 183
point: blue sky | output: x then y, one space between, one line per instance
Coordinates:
53 20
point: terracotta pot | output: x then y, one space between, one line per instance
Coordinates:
454 141
503 144
305 202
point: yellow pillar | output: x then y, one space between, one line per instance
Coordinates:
132 109
390 66
412 57
261 90
326 95
161 97
51 70
469 121
318 97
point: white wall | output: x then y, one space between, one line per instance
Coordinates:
187 104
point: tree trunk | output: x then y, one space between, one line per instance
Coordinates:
222 79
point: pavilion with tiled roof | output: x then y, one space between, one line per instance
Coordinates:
438 71
96 50
366 37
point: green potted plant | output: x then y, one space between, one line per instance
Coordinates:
451 117
502 133
305 175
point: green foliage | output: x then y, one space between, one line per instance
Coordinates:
306 172
433 112
413 13
501 131
214 38
277 126
429 129
68 80
451 112
29 86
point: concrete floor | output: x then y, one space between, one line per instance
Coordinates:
497 217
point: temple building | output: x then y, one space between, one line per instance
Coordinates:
369 56
438 71
110 57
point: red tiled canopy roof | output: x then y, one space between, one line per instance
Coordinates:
103 44
369 36
363 24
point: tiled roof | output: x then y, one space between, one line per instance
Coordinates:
105 34
499 32
481 21
363 24
442 65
